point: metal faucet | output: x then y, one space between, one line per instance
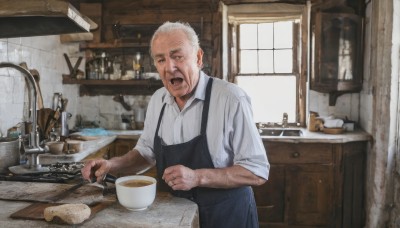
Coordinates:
32 148
285 120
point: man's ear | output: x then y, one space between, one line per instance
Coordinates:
199 61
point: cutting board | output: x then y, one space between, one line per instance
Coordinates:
41 192
35 210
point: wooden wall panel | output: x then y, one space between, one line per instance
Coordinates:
144 17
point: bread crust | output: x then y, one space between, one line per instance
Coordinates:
68 213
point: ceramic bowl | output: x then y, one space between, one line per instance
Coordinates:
136 192
74 146
55 147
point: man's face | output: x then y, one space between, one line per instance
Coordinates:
177 63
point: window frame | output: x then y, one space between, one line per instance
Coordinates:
300 30
295 48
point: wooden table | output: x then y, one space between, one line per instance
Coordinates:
166 211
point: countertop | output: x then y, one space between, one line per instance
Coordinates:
166 211
320 137
89 147
307 136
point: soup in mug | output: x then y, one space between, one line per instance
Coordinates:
136 183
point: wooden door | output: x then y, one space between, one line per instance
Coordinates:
270 197
311 195
122 146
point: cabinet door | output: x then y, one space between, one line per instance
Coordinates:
310 195
122 146
105 152
353 214
270 197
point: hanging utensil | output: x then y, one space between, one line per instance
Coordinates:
120 99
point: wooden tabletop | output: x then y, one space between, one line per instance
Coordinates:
166 211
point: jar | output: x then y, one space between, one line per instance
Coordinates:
313 124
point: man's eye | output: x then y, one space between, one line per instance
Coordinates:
160 60
178 57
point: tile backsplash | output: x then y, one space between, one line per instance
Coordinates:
42 53
45 54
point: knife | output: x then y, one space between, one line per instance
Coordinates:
65 193
107 178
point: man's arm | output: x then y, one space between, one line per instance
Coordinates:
130 163
182 178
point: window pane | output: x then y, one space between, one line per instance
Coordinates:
248 61
283 34
266 62
248 36
271 96
265 34
283 61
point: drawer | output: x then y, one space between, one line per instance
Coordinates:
299 153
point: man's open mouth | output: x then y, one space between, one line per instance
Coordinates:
174 81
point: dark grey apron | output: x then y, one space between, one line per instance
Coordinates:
217 207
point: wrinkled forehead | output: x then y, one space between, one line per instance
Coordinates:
169 42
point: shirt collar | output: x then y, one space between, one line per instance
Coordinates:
199 93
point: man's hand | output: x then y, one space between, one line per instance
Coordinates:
96 168
179 177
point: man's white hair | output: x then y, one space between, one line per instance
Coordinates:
169 27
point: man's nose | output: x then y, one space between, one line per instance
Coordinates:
169 65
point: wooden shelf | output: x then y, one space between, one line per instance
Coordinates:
114 87
117 45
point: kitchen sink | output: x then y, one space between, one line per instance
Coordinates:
292 132
270 132
280 132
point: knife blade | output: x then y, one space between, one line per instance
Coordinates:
65 193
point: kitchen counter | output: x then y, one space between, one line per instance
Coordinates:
320 137
92 146
307 136
166 211
126 134
89 147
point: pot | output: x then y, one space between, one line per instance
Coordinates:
9 153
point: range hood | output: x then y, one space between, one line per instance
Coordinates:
22 18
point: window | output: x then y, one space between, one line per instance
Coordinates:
266 47
266 60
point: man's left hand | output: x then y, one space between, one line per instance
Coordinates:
179 177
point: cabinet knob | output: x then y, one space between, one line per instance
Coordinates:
296 154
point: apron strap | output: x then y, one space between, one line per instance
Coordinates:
204 115
160 118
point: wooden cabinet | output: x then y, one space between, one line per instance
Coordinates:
122 146
104 152
337 54
310 182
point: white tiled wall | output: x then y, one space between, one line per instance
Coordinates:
346 105
45 54
42 53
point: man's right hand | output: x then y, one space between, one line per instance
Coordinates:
96 168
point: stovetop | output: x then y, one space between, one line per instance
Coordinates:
59 173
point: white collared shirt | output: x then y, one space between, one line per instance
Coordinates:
232 136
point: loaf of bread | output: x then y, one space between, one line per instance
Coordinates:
67 213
